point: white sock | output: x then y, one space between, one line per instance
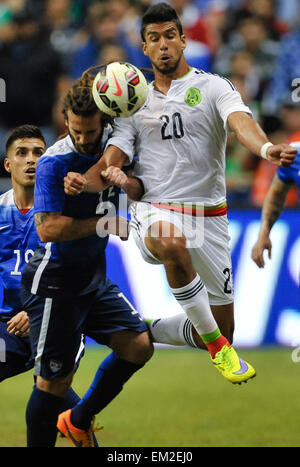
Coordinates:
175 330
193 298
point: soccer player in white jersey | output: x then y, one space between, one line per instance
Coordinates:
179 136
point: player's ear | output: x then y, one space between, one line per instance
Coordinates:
7 164
183 42
144 47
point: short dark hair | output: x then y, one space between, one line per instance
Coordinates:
160 13
24 131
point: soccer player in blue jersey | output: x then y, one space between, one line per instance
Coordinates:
284 179
18 242
65 289
19 239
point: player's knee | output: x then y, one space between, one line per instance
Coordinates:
174 250
147 350
136 348
142 349
57 386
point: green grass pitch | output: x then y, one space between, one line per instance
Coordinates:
179 400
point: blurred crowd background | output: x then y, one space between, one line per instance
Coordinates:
46 44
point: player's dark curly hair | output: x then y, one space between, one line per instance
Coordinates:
79 98
160 13
24 131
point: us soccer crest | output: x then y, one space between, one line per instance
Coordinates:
193 97
55 365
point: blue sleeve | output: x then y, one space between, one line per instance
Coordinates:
49 195
285 175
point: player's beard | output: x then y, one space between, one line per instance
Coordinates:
91 149
171 69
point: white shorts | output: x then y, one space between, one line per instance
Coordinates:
207 242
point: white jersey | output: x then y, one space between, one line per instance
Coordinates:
180 139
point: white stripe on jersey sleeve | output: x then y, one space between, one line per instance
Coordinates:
7 198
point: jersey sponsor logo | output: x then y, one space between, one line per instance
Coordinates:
119 89
193 97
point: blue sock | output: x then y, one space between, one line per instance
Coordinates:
108 382
41 418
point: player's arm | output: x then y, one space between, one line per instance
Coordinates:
133 186
271 210
93 180
55 227
251 135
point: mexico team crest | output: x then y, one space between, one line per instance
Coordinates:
193 97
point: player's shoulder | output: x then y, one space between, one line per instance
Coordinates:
62 147
7 198
293 171
7 208
58 154
296 145
107 133
211 79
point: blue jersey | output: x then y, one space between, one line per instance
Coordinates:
74 266
291 174
18 243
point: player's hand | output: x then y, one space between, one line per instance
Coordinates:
282 155
260 246
74 183
115 176
19 324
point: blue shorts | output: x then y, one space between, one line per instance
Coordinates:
57 324
15 354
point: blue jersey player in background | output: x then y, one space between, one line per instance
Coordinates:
273 205
18 242
19 239
65 289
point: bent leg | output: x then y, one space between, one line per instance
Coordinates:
186 285
171 251
179 330
224 316
55 340
130 352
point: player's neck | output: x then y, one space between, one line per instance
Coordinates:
163 82
23 196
